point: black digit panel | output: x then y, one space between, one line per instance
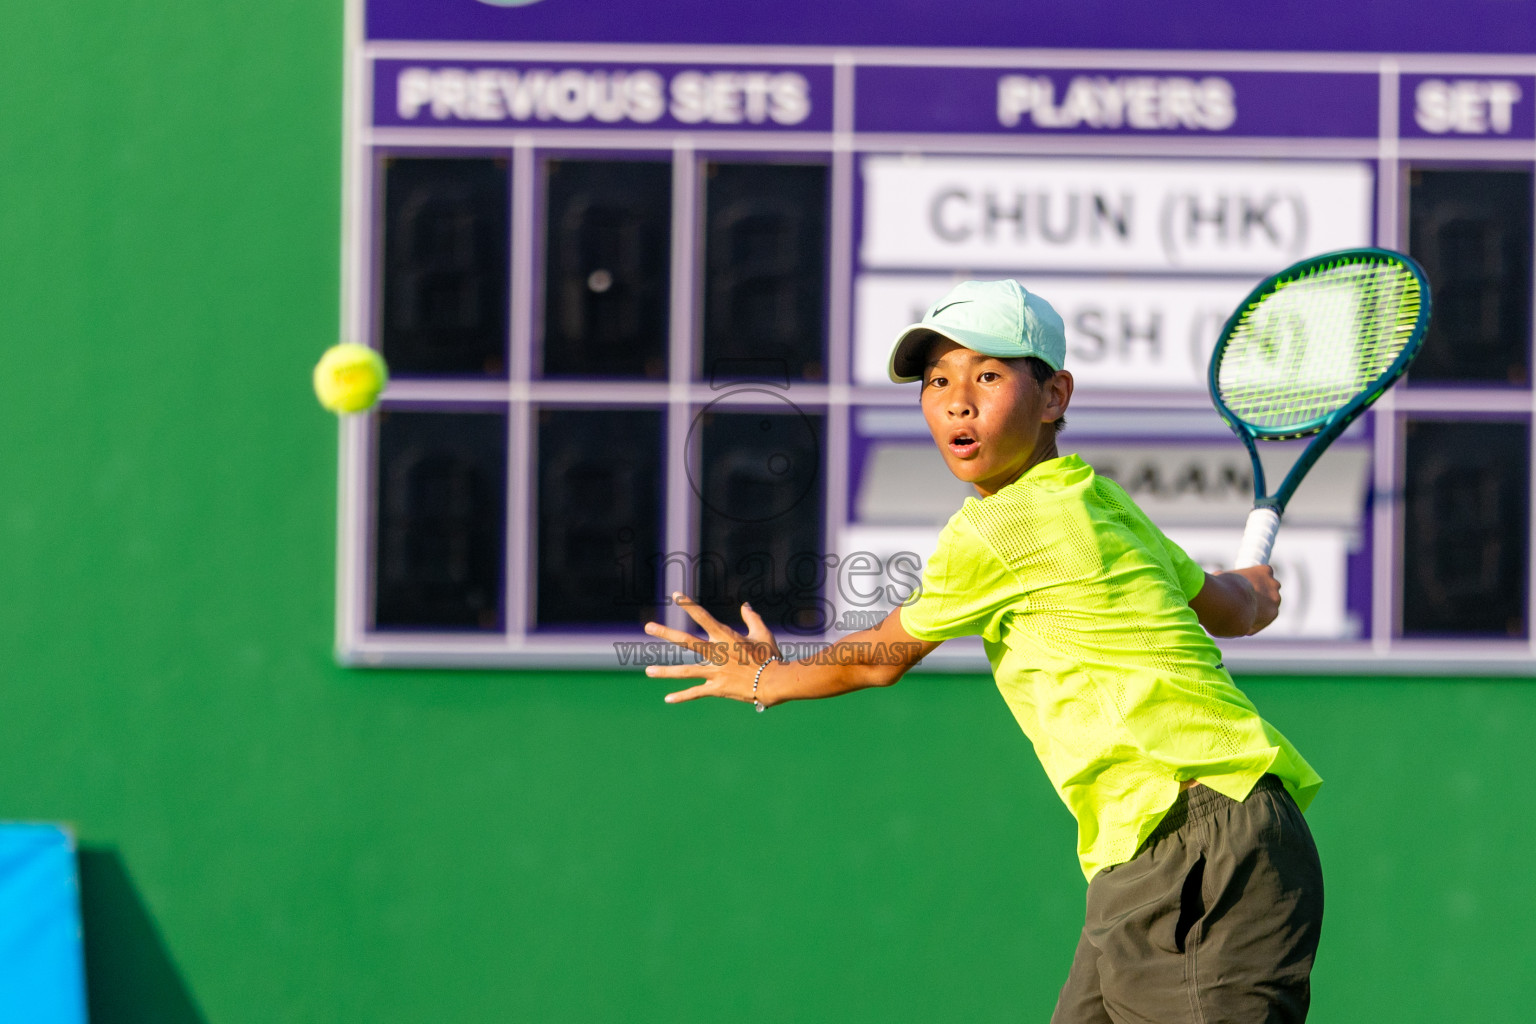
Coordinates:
440 520
1471 230
765 258
760 482
445 277
607 263
599 535
1464 539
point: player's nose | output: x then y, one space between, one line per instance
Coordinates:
960 403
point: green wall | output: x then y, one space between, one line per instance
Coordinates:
269 837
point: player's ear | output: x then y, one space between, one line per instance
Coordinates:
1058 395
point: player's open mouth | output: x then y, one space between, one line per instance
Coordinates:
963 443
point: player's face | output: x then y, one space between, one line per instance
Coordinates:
989 417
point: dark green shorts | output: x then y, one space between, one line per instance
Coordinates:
1214 921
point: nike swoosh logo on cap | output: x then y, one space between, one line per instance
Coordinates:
958 302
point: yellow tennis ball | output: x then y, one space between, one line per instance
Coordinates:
349 377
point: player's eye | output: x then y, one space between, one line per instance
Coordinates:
989 376
936 381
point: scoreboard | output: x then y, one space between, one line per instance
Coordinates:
637 299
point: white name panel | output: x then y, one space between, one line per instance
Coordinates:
1004 213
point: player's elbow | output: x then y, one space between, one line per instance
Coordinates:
881 675
880 657
891 662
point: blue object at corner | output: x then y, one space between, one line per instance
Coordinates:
42 967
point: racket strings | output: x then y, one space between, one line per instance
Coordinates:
1316 342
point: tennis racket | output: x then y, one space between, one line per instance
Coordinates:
1307 352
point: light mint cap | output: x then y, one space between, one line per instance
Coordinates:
995 318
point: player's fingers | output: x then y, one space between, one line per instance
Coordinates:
686 641
698 670
1270 582
692 693
707 622
757 629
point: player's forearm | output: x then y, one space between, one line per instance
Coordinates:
856 662
874 657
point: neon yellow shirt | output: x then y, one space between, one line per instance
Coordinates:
1083 606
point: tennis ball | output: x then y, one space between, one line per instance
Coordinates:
349 377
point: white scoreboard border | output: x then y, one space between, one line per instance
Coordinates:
356 646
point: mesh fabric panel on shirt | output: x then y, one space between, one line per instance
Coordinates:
1054 613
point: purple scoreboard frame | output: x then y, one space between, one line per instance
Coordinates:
1235 92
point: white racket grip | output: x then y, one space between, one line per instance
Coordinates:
1258 538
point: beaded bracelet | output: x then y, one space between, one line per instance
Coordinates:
761 707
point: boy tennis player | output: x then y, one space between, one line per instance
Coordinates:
1205 897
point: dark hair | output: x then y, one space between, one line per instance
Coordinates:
1042 372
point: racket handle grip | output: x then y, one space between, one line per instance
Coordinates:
1258 538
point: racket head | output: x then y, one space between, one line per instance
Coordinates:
1313 346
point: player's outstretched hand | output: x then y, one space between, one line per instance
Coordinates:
729 660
